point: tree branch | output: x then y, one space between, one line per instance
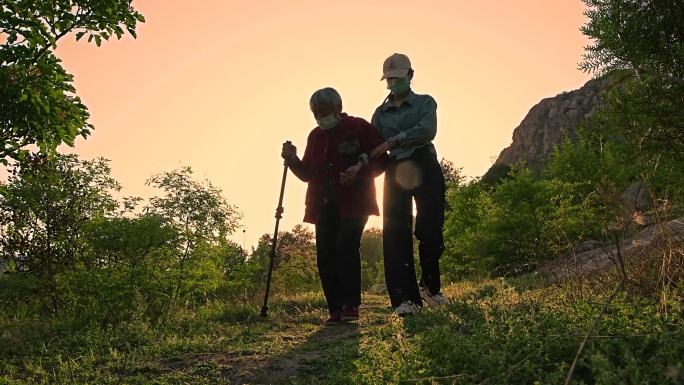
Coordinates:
47 46
639 71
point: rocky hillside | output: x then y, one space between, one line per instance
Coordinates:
542 128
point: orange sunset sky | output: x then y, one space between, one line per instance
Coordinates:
220 85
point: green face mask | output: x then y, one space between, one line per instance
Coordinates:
399 85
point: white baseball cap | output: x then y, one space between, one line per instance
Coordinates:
396 66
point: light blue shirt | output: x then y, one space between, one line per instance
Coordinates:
411 125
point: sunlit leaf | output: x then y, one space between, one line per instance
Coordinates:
34 77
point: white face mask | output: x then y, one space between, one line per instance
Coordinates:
327 123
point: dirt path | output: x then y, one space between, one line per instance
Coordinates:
291 350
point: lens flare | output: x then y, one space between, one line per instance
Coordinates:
408 175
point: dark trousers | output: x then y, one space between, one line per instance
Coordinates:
338 256
418 177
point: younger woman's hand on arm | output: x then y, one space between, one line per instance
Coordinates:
381 149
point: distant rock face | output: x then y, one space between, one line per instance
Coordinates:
542 128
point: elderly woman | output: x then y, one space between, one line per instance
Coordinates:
339 198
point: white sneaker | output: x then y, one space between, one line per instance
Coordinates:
433 300
407 308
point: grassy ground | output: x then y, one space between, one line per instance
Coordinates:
494 332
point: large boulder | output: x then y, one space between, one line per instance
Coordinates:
606 256
636 204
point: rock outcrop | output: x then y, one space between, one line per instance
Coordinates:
602 257
542 129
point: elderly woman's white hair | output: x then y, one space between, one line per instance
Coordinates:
325 97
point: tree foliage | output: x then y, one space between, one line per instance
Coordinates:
372 268
202 220
452 174
639 45
43 208
94 258
497 173
643 37
38 104
175 250
512 227
294 268
128 278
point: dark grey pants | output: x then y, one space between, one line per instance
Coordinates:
338 257
400 272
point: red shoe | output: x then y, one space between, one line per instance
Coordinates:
350 313
335 318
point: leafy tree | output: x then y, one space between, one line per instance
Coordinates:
295 268
510 228
524 211
234 256
175 251
542 219
372 268
242 276
575 162
496 174
452 174
639 37
640 47
464 247
38 104
128 280
202 219
644 120
452 177
43 208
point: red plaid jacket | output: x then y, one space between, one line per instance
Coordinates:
327 155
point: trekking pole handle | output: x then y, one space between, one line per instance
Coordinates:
285 161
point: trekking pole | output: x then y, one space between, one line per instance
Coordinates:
272 254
